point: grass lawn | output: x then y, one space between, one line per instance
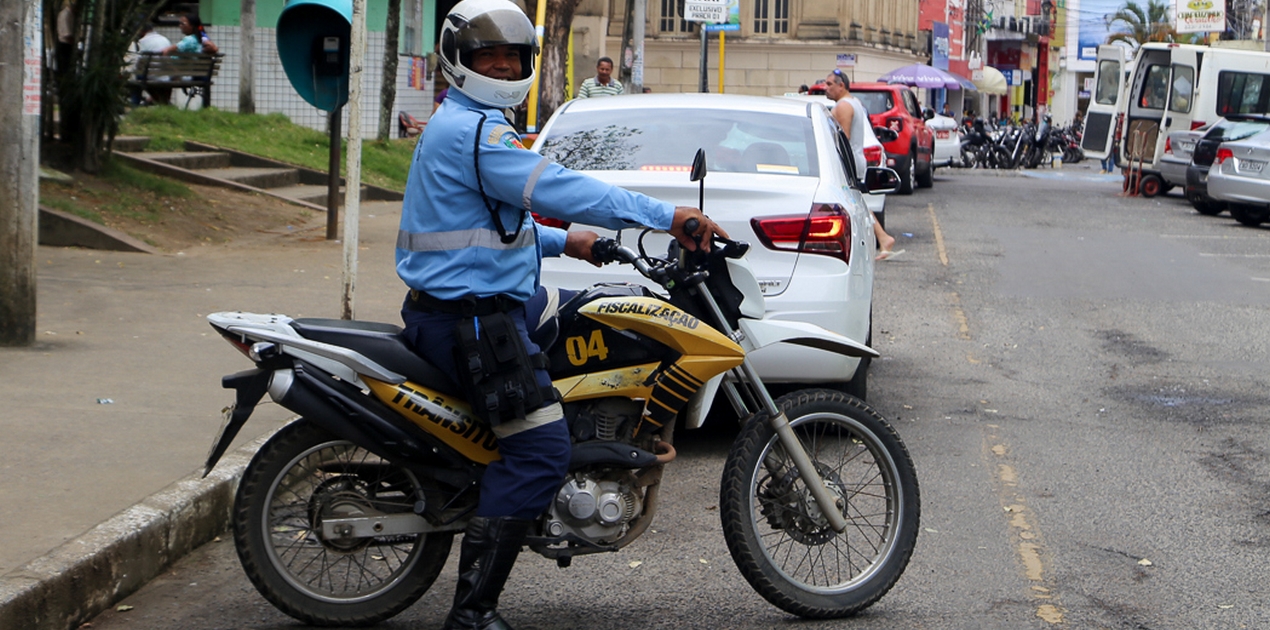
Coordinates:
273 136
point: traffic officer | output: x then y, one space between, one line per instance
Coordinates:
468 247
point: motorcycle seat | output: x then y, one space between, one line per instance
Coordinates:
379 342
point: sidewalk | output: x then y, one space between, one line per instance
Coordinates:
120 398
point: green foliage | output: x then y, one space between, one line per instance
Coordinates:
268 135
93 91
1135 25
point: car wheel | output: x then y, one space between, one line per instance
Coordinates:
926 177
1204 206
1251 216
908 173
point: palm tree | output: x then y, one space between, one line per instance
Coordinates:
1137 26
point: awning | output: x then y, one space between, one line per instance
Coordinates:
966 84
993 82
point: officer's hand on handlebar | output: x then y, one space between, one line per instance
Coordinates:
705 231
578 245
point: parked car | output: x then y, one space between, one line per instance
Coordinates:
777 179
873 153
947 141
1178 147
895 107
1240 177
1227 129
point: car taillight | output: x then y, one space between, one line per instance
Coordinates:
895 124
824 230
1168 146
550 222
873 156
1196 124
1222 154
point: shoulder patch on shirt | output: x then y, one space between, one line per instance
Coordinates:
505 135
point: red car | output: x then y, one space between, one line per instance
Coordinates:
895 107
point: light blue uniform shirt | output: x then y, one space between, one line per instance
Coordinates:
448 245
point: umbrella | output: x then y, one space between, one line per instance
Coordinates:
993 82
922 75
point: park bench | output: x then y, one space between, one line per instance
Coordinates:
191 72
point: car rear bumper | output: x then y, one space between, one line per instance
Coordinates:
1233 187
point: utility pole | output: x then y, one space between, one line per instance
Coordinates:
353 182
247 58
21 47
637 63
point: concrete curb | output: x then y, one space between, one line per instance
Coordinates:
85 576
61 229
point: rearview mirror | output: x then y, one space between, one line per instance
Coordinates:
885 135
698 166
879 180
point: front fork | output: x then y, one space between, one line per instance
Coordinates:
793 447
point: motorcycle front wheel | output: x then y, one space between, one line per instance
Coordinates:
302 476
779 538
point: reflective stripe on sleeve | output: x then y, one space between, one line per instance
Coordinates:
527 196
460 239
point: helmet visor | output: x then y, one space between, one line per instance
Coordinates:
493 28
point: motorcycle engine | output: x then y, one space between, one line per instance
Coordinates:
595 505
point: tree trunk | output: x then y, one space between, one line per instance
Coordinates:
554 53
388 80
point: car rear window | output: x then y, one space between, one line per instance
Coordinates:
667 139
1237 129
1242 93
875 102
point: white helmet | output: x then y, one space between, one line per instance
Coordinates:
475 24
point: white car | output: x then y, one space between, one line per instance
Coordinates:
947 141
776 179
874 153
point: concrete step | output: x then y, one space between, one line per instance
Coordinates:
192 160
131 144
312 193
258 177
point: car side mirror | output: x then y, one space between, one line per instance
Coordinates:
928 113
885 135
879 180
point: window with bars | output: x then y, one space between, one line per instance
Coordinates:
670 20
771 17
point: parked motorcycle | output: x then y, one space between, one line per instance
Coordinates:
346 515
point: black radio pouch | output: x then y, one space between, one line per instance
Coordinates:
495 370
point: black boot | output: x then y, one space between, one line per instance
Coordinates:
489 549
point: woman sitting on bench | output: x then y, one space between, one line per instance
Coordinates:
195 40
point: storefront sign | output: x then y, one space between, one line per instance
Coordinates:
1201 16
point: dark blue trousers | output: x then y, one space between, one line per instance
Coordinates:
534 461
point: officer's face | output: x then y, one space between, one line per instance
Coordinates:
497 62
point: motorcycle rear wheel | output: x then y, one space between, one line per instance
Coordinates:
302 475
775 531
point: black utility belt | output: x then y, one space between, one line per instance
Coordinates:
468 306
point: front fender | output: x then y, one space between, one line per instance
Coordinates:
760 333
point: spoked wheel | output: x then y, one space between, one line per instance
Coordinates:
779 538
303 476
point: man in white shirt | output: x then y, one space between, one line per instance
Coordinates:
150 42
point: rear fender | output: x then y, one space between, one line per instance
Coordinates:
250 386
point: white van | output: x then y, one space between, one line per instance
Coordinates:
1170 87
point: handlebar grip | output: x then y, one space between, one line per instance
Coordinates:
691 226
604 250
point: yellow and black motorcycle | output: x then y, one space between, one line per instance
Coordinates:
347 514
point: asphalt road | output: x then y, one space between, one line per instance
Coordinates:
1081 380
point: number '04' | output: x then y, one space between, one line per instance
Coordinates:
580 349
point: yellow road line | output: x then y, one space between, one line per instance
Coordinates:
939 236
1027 540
